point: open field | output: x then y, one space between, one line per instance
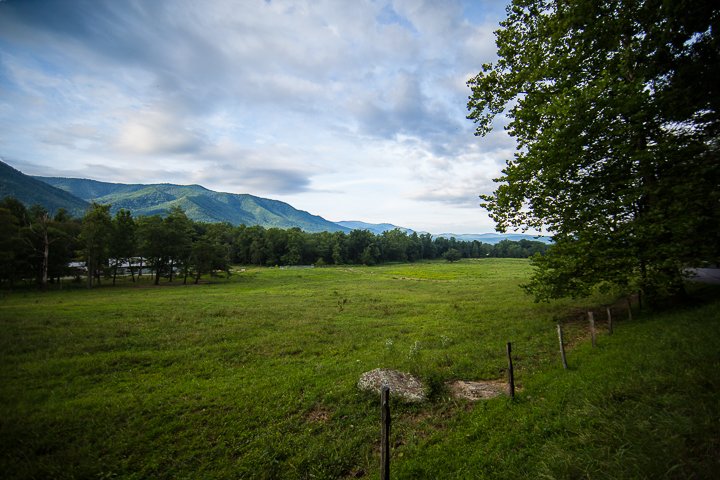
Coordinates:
255 377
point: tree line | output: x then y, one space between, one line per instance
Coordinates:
37 246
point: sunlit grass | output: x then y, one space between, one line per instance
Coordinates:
255 376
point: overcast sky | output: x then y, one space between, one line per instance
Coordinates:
352 110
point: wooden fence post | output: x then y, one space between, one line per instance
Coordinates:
591 317
562 347
385 433
610 324
511 373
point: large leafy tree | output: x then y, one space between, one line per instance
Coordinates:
153 243
122 243
614 105
94 235
179 231
14 251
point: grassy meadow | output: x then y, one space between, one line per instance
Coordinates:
255 377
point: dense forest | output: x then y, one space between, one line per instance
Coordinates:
40 248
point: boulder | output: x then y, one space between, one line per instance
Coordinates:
402 385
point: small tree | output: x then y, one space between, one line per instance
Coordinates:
207 256
452 255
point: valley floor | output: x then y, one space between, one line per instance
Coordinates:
255 377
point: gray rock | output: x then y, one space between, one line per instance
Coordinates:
402 385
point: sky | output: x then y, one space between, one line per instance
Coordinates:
351 110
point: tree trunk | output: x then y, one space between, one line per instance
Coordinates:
90 271
46 257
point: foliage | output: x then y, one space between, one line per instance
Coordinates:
123 240
176 245
34 245
615 107
95 239
452 255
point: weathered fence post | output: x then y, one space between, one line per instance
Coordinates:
591 317
385 433
562 347
511 373
629 304
610 325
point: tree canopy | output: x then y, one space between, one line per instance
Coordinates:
35 247
615 108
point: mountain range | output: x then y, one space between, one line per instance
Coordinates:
376 228
198 202
31 191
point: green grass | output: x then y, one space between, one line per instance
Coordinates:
254 377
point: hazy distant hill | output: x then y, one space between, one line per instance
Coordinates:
493 238
30 191
376 228
199 203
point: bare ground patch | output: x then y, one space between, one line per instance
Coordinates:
477 390
319 414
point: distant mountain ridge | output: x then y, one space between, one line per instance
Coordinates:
198 202
30 191
493 238
376 228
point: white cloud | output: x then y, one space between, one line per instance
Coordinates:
324 103
154 132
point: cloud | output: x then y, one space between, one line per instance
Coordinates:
283 97
460 180
96 171
239 178
154 132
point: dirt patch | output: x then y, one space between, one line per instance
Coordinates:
475 391
402 385
318 415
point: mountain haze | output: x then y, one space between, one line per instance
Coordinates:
489 238
376 228
493 238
